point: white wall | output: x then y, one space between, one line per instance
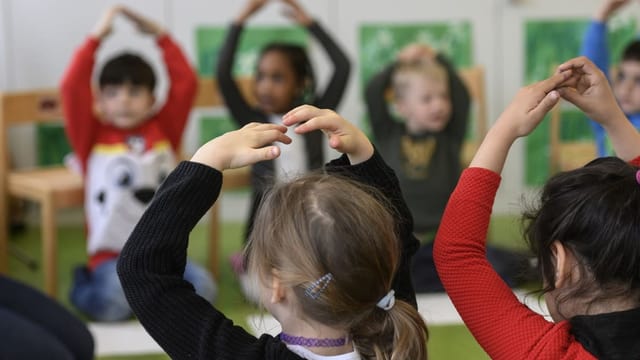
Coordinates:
37 38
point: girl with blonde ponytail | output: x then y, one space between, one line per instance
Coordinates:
330 252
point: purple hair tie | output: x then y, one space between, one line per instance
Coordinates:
638 176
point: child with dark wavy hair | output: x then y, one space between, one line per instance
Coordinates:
284 79
329 252
584 233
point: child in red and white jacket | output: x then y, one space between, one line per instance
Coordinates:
124 150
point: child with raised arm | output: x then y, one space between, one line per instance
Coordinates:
125 150
284 79
626 83
584 232
424 147
329 251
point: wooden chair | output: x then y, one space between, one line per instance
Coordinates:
53 188
566 155
474 79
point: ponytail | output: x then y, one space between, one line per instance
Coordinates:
394 334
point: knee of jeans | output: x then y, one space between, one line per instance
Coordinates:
102 297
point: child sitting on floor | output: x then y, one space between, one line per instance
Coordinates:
125 150
584 232
330 254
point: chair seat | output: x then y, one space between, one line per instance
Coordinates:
61 184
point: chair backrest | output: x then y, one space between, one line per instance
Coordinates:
474 79
209 94
22 108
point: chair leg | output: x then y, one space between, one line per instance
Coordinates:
49 247
214 240
4 230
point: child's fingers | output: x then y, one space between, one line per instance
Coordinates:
580 64
268 135
554 81
547 103
326 122
300 114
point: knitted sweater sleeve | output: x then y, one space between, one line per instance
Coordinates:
503 326
376 173
183 84
332 94
241 111
460 102
382 123
151 268
77 100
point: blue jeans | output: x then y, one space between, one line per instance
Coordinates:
99 294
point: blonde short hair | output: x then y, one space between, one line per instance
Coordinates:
405 73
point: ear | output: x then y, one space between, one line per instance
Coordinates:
564 265
277 288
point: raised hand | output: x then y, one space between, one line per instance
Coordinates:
296 13
521 116
609 7
589 90
343 135
144 25
531 104
252 7
104 26
416 52
248 145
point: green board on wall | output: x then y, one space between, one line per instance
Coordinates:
549 43
52 144
209 40
380 42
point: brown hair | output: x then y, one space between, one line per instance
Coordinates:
321 224
406 72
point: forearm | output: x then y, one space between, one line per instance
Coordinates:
152 262
493 151
595 45
183 86
241 111
460 101
624 137
77 97
334 91
377 108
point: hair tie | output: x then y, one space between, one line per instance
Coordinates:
387 302
638 176
318 286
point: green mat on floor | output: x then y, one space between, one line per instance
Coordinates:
445 342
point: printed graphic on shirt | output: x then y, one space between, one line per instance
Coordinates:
121 181
416 156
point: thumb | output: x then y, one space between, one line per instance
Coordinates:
547 103
271 152
255 156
